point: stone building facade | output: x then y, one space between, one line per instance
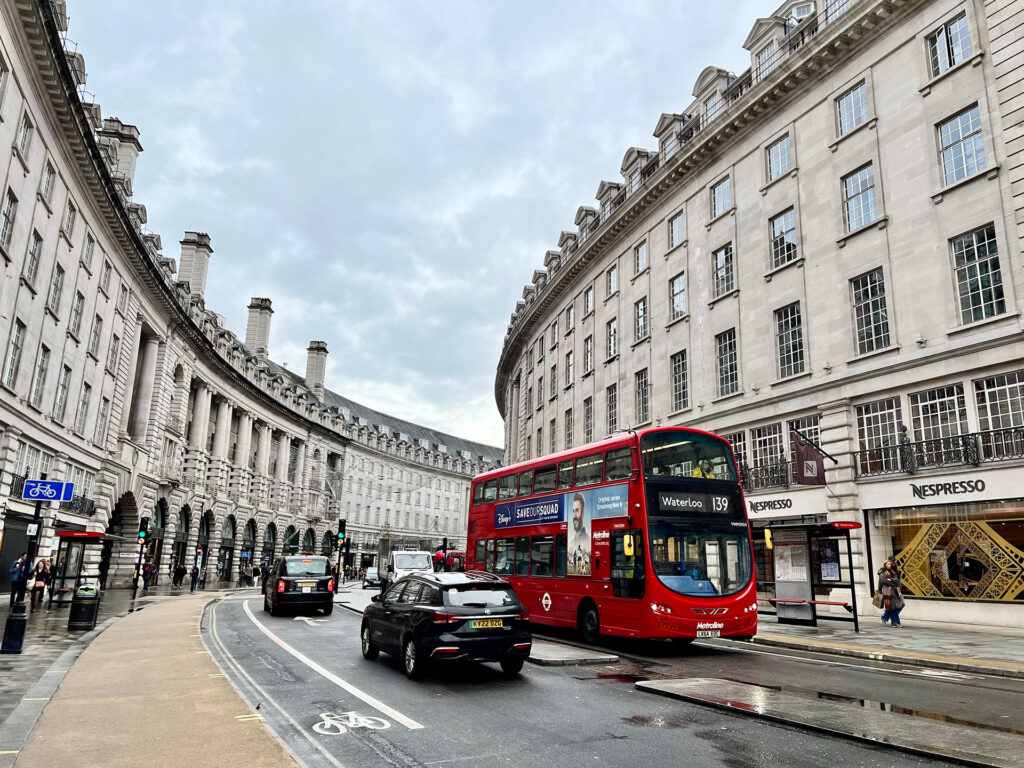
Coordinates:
117 377
830 242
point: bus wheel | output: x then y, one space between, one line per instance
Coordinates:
589 624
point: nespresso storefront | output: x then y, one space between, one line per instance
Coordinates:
958 540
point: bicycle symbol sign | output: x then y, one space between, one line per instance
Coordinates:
335 724
47 490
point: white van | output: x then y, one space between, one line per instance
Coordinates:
401 564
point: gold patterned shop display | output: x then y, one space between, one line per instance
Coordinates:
962 560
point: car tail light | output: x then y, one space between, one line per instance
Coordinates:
523 615
280 585
330 585
521 646
440 617
443 650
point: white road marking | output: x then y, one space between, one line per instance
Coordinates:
311 622
377 704
233 663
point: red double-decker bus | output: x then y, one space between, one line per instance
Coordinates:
641 535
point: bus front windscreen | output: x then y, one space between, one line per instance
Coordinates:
699 563
682 453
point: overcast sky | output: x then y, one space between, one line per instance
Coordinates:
390 173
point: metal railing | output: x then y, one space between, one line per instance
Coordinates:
778 475
79 505
17 485
969 449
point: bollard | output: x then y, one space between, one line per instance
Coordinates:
14 631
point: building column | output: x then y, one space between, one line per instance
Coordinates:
142 401
300 467
195 456
129 388
240 471
262 470
218 469
279 494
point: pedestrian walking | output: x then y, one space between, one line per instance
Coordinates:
148 572
202 578
179 574
39 579
19 575
194 578
892 594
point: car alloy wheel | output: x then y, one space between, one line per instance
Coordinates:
413 665
370 651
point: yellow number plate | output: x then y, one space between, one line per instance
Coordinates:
307 584
486 623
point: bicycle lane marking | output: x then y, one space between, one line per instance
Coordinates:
377 704
237 667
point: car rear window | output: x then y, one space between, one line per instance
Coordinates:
420 560
480 595
307 566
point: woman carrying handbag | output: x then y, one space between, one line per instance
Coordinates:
39 579
892 596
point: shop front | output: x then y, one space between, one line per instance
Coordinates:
269 542
155 540
203 547
179 550
958 541
245 554
226 554
291 540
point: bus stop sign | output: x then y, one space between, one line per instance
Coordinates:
47 490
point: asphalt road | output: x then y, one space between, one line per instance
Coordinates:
471 715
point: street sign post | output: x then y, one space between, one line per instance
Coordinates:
47 490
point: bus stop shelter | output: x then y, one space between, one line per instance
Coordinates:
68 570
804 566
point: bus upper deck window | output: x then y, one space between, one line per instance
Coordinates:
525 482
565 475
507 487
619 464
478 493
490 491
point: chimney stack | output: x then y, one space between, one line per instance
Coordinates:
257 330
316 367
124 139
195 258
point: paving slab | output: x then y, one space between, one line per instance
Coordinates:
973 746
141 693
549 654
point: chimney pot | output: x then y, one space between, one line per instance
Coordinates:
316 367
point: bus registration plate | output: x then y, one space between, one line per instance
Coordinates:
485 623
709 633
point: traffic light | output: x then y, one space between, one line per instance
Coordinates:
143 528
341 533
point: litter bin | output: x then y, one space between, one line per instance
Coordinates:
85 605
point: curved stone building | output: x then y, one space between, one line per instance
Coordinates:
829 241
117 377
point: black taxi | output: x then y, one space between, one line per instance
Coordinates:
436 617
299 581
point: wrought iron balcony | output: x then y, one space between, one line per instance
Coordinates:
17 485
778 475
79 505
971 449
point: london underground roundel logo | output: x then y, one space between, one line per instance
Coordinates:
546 601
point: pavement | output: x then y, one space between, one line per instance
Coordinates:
149 686
988 651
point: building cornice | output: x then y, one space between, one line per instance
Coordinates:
863 22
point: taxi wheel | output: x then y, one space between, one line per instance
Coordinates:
370 651
411 660
266 608
328 609
275 610
512 665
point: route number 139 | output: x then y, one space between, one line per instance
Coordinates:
720 503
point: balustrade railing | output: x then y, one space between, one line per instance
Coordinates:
79 505
969 449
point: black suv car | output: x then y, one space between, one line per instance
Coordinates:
299 581
447 616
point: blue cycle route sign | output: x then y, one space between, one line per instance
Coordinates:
47 490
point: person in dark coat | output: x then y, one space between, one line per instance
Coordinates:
179 575
19 575
892 595
195 578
